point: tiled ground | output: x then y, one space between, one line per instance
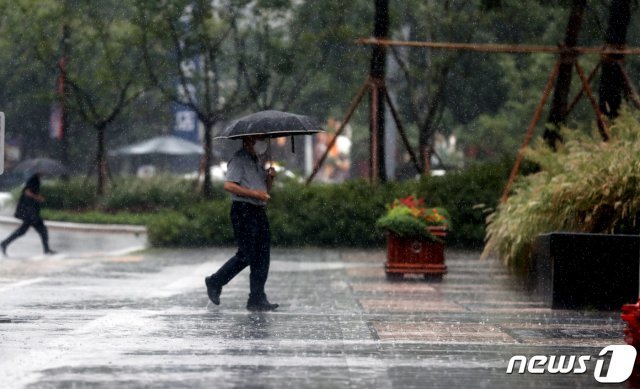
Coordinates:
144 320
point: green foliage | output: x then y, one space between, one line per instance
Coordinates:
403 223
75 194
280 54
100 217
322 215
467 195
409 217
147 195
586 186
345 214
201 225
127 194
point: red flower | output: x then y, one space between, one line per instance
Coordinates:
410 202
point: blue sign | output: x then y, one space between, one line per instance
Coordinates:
186 124
186 121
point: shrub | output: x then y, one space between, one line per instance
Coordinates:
144 195
74 194
468 195
125 194
200 225
99 217
319 214
329 215
345 214
168 230
586 186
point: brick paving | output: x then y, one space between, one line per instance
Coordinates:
143 320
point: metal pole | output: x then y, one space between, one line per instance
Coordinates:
373 134
498 48
377 72
308 155
581 91
530 130
403 135
602 126
354 104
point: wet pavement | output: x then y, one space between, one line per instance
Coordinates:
143 319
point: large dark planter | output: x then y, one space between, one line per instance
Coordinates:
415 255
586 271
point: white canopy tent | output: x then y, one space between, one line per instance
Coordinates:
165 145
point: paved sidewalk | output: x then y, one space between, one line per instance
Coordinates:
143 320
72 240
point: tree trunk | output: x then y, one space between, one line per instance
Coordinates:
559 105
427 131
64 93
611 78
207 188
377 74
101 162
423 150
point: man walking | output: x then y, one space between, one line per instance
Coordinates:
249 184
28 210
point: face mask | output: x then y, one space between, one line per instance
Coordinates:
260 147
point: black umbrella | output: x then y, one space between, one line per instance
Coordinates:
272 124
41 166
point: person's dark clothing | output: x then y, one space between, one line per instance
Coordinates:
253 236
251 232
38 225
28 210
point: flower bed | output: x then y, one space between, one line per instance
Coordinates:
409 217
415 238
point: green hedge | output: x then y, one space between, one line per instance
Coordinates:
124 194
75 194
147 195
318 215
99 217
345 214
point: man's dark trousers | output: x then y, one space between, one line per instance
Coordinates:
37 224
252 234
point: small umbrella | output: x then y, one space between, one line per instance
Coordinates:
41 166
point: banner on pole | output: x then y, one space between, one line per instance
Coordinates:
55 122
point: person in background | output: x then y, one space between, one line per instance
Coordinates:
249 184
28 210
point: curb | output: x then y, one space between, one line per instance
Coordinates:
81 227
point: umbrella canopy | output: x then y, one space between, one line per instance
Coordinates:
167 145
41 166
272 124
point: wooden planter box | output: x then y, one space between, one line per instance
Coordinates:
407 255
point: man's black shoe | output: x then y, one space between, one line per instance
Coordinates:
50 252
3 246
261 306
213 290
